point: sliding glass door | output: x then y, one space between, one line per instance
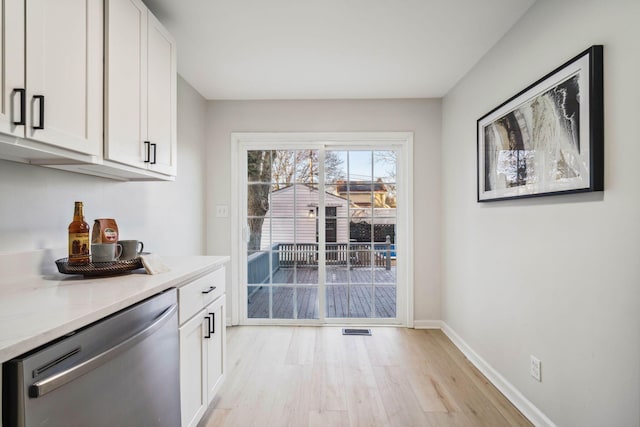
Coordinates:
321 232
282 252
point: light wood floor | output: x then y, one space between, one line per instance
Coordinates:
315 376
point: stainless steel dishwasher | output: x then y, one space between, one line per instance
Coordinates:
120 371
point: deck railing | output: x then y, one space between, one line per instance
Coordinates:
352 254
258 266
261 265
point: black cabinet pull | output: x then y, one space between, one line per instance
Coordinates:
153 162
213 323
208 327
147 151
23 106
41 99
211 289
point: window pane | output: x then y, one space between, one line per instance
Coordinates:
282 232
258 267
360 166
336 301
307 274
282 302
282 201
259 166
259 237
307 166
384 166
307 302
284 275
336 274
335 166
283 169
360 298
385 301
382 275
258 302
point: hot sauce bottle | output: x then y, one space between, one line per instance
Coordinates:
78 237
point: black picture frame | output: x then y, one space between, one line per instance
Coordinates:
549 138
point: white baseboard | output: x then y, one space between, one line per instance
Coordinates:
427 324
528 409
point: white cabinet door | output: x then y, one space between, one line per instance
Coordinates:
12 84
216 347
64 73
193 390
161 84
126 82
141 89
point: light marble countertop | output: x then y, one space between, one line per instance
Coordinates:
38 304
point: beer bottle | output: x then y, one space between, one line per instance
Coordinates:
78 237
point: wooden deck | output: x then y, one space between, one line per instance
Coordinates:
350 293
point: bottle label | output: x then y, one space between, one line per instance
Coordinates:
78 244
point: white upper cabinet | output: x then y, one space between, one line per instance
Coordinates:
12 93
161 97
141 82
53 74
64 73
126 89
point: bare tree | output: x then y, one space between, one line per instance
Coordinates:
388 159
259 177
283 168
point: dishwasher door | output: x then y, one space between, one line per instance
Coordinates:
120 371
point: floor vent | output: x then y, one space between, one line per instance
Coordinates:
356 331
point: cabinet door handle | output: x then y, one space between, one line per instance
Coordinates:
41 111
213 323
23 106
147 154
211 289
208 333
153 162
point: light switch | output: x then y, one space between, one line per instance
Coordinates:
222 211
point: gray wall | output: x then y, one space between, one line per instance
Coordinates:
555 277
420 116
36 203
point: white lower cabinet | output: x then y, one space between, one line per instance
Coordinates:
202 344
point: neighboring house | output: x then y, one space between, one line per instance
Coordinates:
360 193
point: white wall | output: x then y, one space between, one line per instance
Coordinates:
420 116
36 203
556 277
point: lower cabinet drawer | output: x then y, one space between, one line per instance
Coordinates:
196 295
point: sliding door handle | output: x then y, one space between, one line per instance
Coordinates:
23 106
41 110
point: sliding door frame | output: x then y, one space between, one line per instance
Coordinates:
241 142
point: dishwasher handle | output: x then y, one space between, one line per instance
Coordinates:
48 385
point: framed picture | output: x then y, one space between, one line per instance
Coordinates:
547 139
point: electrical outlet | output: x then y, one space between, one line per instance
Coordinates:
222 211
535 368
